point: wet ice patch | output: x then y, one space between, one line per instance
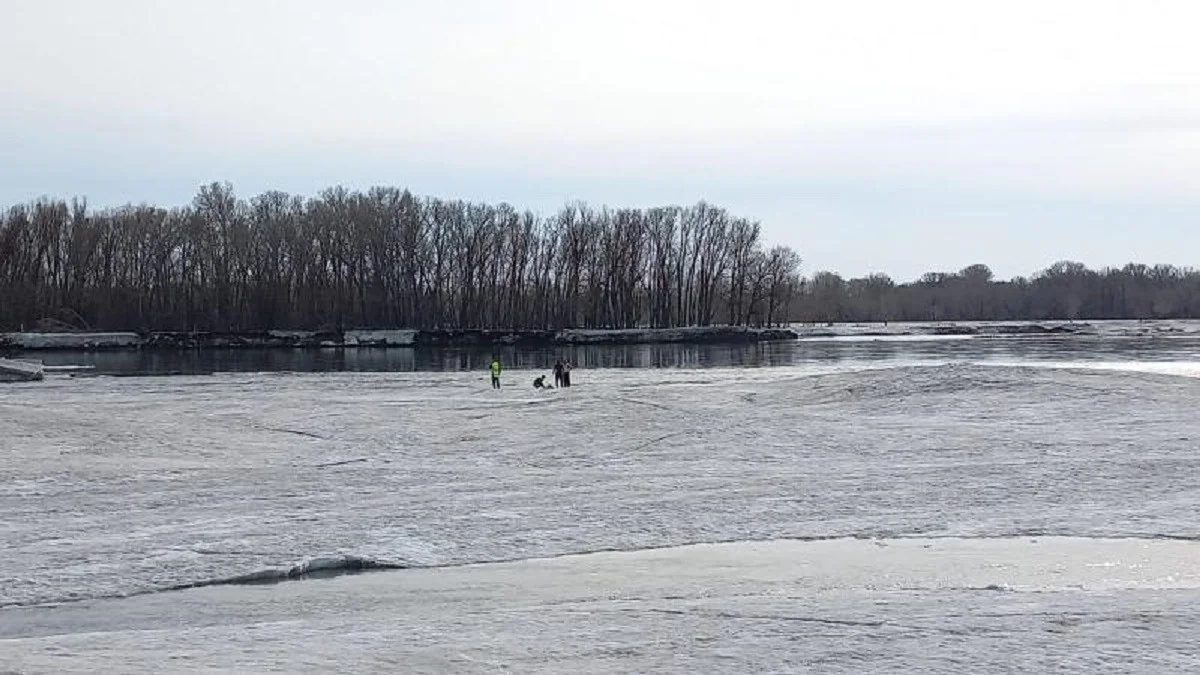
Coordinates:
1176 368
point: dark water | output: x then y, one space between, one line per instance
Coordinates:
399 359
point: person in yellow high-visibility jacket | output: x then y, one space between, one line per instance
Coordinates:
495 368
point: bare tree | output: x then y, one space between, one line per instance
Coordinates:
382 258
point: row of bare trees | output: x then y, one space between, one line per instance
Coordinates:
1065 290
383 258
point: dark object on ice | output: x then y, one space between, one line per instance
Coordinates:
539 382
20 371
317 568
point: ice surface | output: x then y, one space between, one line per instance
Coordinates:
836 605
114 487
117 486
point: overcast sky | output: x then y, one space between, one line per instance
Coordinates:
871 136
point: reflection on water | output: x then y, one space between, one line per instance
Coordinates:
629 356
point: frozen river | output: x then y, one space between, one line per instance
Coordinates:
960 511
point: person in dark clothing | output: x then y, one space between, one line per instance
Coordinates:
566 374
558 373
540 383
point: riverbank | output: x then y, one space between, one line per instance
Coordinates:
706 335
1105 328
387 338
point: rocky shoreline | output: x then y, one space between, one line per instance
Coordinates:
710 335
1105 328
386 338
948 330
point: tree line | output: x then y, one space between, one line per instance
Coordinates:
383 258
1064 290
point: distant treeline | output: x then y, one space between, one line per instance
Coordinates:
1065 290
388 259
383 259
